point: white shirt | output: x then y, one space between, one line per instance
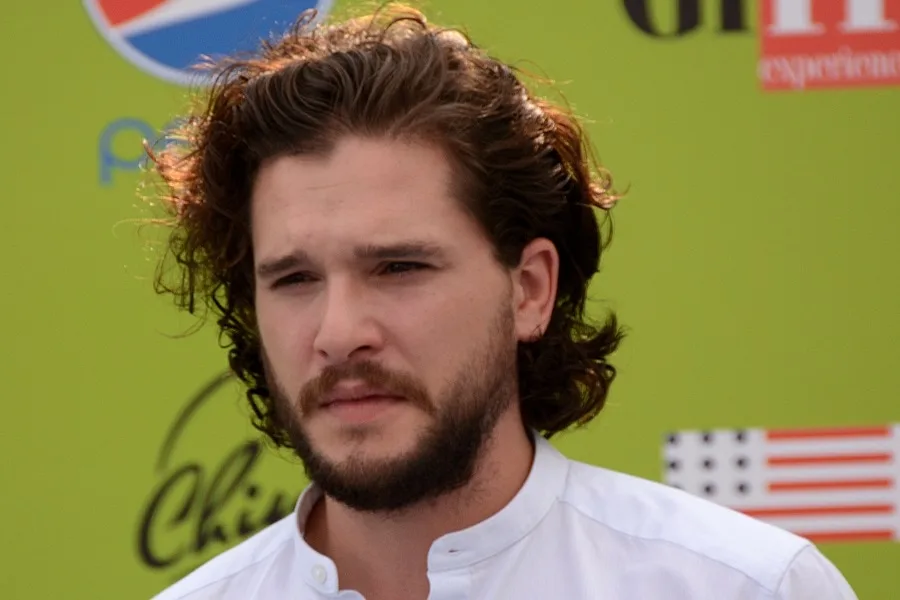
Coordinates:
572 532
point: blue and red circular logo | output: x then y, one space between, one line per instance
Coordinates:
168 37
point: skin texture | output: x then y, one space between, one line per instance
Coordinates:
374 282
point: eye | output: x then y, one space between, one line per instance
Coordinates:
292 279
402 267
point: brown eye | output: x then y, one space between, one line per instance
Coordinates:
399 268
292 279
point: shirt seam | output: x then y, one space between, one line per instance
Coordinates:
234 573
791 563
770 591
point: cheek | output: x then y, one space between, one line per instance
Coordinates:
284 343
441 334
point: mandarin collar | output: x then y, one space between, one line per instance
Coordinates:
459 549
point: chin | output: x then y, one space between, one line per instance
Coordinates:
378 441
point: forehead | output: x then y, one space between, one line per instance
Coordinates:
363 191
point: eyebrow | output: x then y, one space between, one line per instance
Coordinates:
401 251
271 267
414 250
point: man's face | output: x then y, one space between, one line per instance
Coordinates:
387 324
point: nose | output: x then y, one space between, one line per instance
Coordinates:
347 327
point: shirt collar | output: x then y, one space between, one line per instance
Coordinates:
317 570
543 486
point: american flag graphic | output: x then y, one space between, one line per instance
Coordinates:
827 485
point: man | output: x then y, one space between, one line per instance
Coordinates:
397 238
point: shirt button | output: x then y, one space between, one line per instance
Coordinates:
319 573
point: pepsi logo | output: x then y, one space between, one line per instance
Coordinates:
167 38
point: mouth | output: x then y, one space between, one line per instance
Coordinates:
356 403
360 409
349 393
366 399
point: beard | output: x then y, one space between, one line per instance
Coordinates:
445 455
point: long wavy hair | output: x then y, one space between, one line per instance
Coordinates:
523 168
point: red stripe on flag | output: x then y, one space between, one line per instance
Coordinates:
830 432
873 535
873 457
846 484
811 511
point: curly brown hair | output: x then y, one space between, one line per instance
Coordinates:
523 169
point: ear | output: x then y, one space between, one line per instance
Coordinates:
534 288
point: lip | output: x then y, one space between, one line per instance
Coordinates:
348 393
357 411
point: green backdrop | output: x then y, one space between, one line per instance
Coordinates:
755 262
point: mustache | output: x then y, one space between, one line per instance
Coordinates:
372 374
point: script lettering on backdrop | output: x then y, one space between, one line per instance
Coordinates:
196 505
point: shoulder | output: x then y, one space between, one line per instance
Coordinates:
672 523
241 561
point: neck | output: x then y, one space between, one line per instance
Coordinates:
398 569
